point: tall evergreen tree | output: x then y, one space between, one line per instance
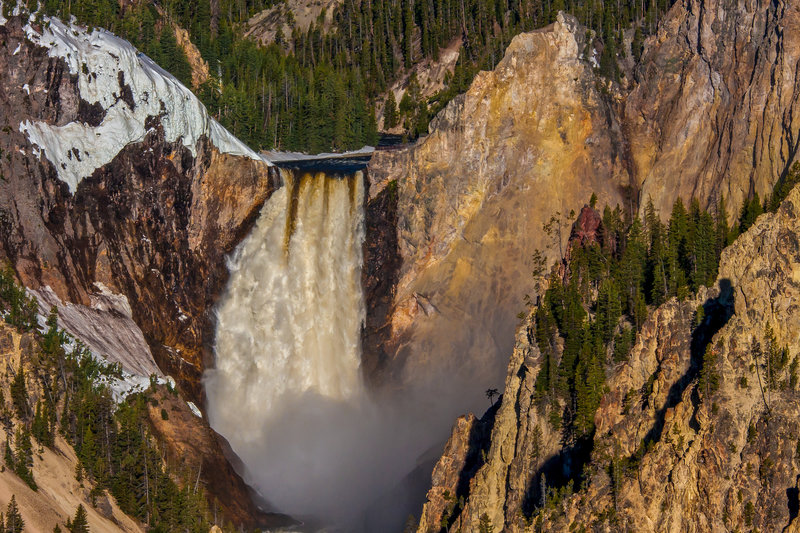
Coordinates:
14 521
80 523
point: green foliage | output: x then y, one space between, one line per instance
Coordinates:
315 89
19 393
23 459
14 521
775 357
113 443
8 456
485 524
751 209
749 513
589 317
20 309
785 184
390 118
709 373
80 523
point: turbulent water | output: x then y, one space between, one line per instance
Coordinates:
288 336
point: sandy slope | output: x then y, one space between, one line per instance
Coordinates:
59 495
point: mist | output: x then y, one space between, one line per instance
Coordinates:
287 391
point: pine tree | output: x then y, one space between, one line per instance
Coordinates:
23 459
14 521
40 427
678 264
19 393
8 457
79 524
751 209
485 524
390 117
709 373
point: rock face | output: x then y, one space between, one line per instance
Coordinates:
671 452
532 137
152 226
714 109
138 244
711 111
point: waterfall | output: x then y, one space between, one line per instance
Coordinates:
288 329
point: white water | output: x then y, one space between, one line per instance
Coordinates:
287 390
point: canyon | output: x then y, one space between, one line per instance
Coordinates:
143 232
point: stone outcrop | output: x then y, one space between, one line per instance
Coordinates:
671 452
148 232
286 16
153 225
529 138
715 109
712 111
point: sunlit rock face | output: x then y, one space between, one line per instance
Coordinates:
530 138
714 110
710 111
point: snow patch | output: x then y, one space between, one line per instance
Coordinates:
26 88
16 50
195 411
109 69
593 59
120 386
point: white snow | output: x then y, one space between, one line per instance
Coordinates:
593 59
26 88
98 59
120 387
195 411
3 20
16 50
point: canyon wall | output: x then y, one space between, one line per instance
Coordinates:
710 112
121 199
669 453
534 136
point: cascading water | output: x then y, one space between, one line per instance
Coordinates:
287 391
290 320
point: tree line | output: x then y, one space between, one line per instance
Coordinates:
317 89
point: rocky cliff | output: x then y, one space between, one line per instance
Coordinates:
120 187
698 430
714 108
709 111
534 136
121 198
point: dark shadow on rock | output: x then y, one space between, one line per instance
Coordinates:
479 442
564 469
717 312
379 277
793 501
